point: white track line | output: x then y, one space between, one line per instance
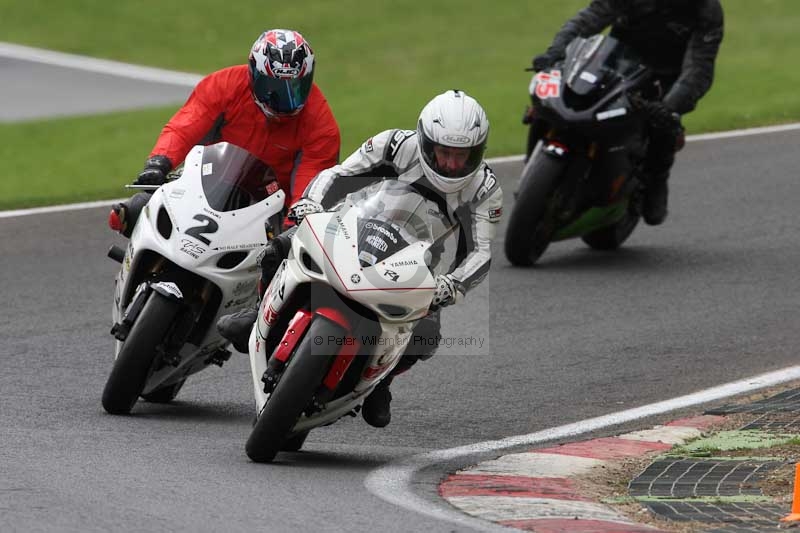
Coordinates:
58 208
692 138
394 482
184 79
493 160
102 66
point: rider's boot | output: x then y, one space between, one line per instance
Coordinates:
236 327
664 142
376 411
425 340
654 210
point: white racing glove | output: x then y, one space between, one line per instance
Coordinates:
446 292
303 207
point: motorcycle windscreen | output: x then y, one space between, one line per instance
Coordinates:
597 62
391 216
233 178
377 240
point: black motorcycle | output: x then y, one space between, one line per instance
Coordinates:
583 179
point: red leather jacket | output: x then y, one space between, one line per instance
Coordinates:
221 108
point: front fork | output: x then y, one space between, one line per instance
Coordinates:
573 194
271 367
120 330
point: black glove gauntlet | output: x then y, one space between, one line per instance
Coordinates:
155 171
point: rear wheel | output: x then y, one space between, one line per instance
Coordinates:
528 233
304 372
612 237
132 366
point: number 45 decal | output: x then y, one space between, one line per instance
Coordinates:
546 84
209 226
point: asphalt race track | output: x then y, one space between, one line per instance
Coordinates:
32 94
710 297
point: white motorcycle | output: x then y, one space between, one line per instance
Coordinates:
191 258
339 312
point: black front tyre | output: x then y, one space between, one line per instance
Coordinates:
612 237
528 233
164 394
295 442
132 366
304 373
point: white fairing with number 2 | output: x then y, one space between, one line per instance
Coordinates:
197 240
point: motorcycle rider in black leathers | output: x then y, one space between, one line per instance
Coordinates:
443 159
679 40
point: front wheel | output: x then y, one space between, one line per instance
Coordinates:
612 237
304 372
295 442
164 394
132 366
529 233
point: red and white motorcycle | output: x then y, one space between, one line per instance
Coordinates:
191 258
339 312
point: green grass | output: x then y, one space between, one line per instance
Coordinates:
725 441
73 160
379 62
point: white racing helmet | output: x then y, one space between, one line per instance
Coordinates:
452 119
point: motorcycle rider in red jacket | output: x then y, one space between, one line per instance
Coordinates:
271 107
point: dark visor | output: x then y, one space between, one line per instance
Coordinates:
282 95
473 160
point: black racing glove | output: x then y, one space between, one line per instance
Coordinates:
155 171
662 117
543 62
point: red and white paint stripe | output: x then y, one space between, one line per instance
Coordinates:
536 491
396 482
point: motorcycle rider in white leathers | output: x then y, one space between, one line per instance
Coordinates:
443 159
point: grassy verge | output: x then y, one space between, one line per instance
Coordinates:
73 160
378 64
777 441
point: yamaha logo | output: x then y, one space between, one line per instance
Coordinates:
406 262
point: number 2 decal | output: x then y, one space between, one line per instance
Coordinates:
197 232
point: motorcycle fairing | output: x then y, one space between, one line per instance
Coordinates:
178 227
325 252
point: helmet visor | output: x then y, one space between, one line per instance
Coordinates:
283 96
451 161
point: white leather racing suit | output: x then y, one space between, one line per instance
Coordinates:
475 210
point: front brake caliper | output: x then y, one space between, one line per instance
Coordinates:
272 374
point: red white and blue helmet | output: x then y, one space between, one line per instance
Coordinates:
281 72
